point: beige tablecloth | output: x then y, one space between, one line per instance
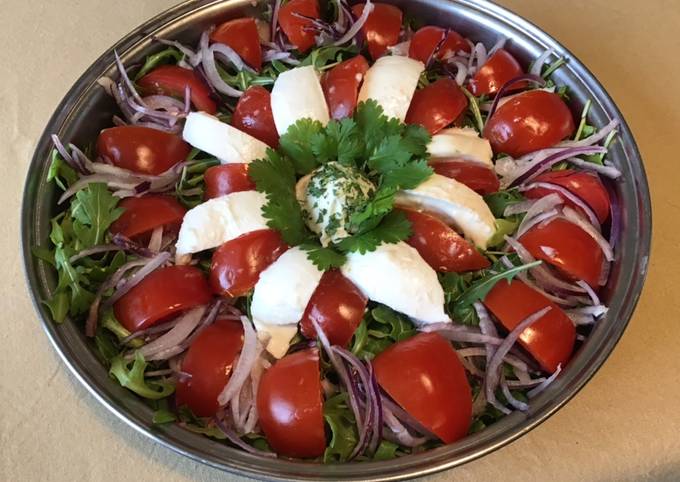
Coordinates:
624 425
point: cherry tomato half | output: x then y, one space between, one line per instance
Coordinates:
437 105
337 306
173 80
237 264
142 149
290 405
500 68
424 375
253 115
227 178
528 122
341 86
426 39
296 28
241 35
440 246
478 177
567 247
210 361
585 185
164 292
382 27
146 213
550 340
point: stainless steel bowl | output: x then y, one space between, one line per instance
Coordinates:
85 110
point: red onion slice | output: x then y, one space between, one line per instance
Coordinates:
236 440
210 67
398 433
275 19
544 205
577 219
562 301
460 334
354 29
537 66
151 265
595 138
244 365
156 239
545 383
542 163
607 171
516 404
102 248
591 293
585 207
540 81
186 324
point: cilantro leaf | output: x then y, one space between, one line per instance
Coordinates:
393 228
338 142
323 258
415 140
295 143
389 154
408 176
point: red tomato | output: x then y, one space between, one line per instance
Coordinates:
241 35
570 249
295 27
290 405
478 177
585 185
382 28
173 80
550 340
426 39
424 375
528 122
146 213
210 361
440 246
227 178
253 115
500 68
437 105
337 306
237 264
341 86
142 149
162 293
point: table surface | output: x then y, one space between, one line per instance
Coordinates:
623 426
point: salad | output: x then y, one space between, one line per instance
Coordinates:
334 233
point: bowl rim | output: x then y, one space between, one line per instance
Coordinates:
381 470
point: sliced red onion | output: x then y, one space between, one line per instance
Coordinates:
541 206
585 207
151 265
156 239
577 219
127 244
167 343
208 319
593 139
540 81
275 19
591 293
516 404
562 301
398 433
531 222
518 208
500 43
532 382
542 163
493 373
102 248
162 328
460 334
534 392
236 440
244 365
70 159
159 373
405 418
477 58
376 401
538 63
401 48
354 29
607 171
194 58
255 376
270 55
210 66
124 76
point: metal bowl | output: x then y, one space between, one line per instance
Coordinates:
86 109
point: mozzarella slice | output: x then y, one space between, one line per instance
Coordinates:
395 275
228 144
296 95
461 144
281 296
456 204
219 220
391 82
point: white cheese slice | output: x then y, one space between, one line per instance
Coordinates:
281 296
396 275
462 144
455 204
228 144
219 220
391 82
297 94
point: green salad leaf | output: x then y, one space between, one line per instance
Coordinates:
380 328
133 378
344 436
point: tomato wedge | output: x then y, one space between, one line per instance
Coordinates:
253 115
424 375
478 177
142 149
162 293
227 178
341 86
440 246
382 27
437 105
296 28
528 122
237 264
337 306
209 362
500 68
567 247
585 185
173 80
241 35
550 340
426 39
146 213
290 405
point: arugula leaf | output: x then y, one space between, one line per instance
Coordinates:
58 306
106 347
163 416
473 104
393 228
344 437
295 143
323 258
60 172
93 210
386 451
70 280
133 378
380 328
499 201
324 58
